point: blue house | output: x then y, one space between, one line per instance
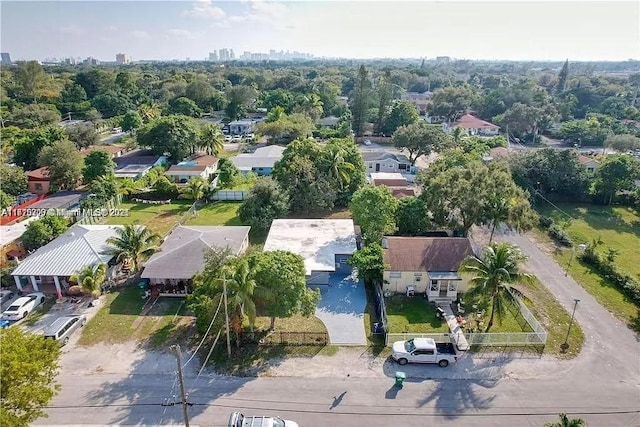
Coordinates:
259 162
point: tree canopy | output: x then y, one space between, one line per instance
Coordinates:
374 210
266 202
421 139
64 164
173 135
97 163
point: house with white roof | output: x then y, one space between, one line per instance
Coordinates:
260 162
54 263
382 161
182 255
325 244
10 240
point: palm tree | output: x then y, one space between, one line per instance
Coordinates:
311 105
211 140
498 211
195 189
91 278
338 168
133 244
127 187
566 422
494 276
240 290
149 113
458 135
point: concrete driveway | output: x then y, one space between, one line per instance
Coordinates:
341 309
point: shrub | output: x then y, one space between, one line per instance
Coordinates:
546 221
609 270
560 236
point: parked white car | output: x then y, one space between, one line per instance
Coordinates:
367 142
227 138
236 138
23 306
238 419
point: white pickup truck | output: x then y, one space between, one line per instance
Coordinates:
240 420
423 350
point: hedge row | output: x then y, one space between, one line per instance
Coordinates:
555 232
627 284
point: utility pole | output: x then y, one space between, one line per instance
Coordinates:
185 411
564 346
226 314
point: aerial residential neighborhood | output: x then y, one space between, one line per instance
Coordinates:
394 220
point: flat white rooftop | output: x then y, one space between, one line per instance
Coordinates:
386 175
9 233
318 241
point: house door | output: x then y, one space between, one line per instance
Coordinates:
377 167
443 289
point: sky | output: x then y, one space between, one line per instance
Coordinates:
507 30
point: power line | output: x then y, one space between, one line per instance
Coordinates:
205 335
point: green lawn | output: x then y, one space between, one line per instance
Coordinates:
618 228
217 213
413 315
120 320
159 218
478 318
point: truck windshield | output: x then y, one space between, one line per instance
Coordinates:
409 346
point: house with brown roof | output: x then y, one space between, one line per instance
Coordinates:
591 165
473 126
38 181
425 265
198 166
396 182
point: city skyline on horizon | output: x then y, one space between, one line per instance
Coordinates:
475 30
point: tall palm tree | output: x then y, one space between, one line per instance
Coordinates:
91 278
339 169
240 291
498 211
149 113
567 422
195 189
211 140
133 244
494 276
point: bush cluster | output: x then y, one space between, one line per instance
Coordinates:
555 232
627 284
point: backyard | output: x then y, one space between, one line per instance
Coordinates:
619 229
159 218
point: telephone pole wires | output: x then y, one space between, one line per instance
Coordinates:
184 403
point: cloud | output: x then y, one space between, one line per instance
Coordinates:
179 34
270 12
72 30
205 9
141 35
111 28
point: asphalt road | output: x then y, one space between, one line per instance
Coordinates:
602 385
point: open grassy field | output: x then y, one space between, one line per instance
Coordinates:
618 228
159 218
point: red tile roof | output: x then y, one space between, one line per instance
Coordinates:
586 160
40 174
390 182
471 122
425 253
400 192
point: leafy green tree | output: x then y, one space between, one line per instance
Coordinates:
112 104
211 139
27 150
185 107
73 99
149 113
277 100
526 120
494 276
266 202
228 174
13 179
35 115
421 139
280 278
451 102
550 171
83 135
28 368
402 113
91 278
64 164
30 78
355 174
174 135
41 231
200 92
97 163
239 98
369 261
617 173
623 143
131 121
563 76
565 421
585 132
374 210
6 200
309 105
281 127
132 244
412 217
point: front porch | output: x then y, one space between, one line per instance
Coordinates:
168 287
439 287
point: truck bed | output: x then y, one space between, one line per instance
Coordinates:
446 348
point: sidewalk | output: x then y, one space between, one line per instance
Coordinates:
456 330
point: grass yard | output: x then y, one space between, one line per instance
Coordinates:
413 315
217 213
120 320
618 228
512 321
296 323
159 218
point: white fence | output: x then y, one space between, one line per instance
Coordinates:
393 337
229 195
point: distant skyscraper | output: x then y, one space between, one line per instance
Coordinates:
223 54
122 58
6 58
213 56
232 55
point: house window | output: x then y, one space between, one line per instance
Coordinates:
370 166
38 186
402 166
434 287
417 274
452 286
395 275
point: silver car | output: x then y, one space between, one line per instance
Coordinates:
62 328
